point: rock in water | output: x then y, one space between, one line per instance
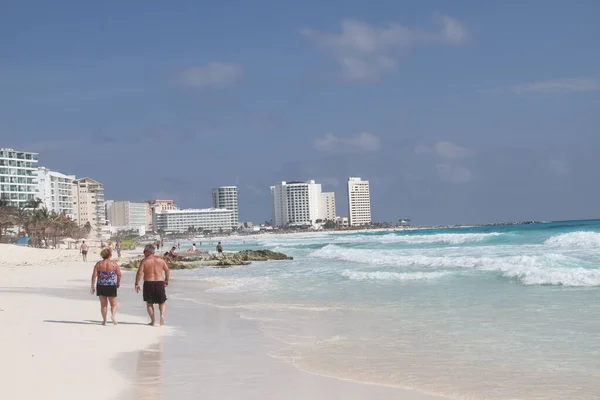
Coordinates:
225 260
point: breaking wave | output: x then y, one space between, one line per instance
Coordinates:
579 239
393 276
390 238
535 269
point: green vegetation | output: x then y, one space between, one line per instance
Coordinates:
39 223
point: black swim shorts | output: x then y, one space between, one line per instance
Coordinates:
106 290
154 292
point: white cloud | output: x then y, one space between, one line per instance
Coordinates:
454 32
454 174
362 143
559 86
444 149
366 51
214 74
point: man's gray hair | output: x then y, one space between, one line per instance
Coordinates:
149 248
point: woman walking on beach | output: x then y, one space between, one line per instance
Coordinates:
108 274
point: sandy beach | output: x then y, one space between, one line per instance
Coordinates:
56 346
53 337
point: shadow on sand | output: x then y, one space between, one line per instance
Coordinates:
90 322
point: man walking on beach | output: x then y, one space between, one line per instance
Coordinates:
220 249
84 250
152 269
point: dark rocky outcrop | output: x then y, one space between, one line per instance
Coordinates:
195 260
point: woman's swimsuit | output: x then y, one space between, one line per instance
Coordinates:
107 278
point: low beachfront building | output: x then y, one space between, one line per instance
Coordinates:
206 219
154 207
18 177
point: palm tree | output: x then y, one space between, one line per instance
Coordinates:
87 228
7 219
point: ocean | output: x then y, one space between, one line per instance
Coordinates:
492 312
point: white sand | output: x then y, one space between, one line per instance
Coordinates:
49 347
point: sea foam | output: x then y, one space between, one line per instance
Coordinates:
393 276
575 239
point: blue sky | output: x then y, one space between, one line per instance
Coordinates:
456 112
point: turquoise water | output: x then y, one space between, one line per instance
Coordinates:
483 312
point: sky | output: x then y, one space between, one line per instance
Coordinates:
455 112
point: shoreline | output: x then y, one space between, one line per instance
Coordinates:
56 341
227 356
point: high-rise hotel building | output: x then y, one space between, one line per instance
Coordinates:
296 203
18 177
226 197
88 201
126 214
359 202
56 191
328 206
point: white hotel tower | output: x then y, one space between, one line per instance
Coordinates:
56 191
296 203
227 197
359 202
18 177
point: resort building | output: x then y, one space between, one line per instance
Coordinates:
88 205
296 203
154 207
18 177
126 215
328 206
227 197
56 191
359 202
207 219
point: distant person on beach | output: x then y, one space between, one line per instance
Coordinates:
118 248
172 253
84 250
193 248
152 268
109 279
178 245
220 249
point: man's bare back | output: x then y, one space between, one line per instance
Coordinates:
152 268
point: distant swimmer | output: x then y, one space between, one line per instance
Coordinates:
152 269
